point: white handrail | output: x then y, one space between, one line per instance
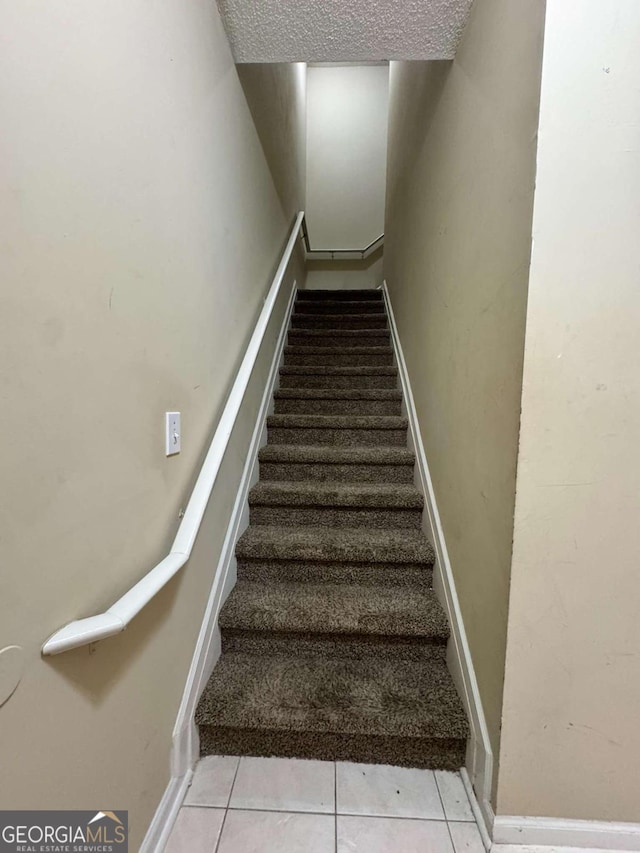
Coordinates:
81 632
339 254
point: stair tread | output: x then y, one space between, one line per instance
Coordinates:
318 293
355 334
339 421
344 303
341 316
309 493
336 350
334 608
407 699
328 370
338 455
338 394
329 544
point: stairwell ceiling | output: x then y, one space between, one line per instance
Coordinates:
343 30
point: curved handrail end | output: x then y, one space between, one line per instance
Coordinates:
82 632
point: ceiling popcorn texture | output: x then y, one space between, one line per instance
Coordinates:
343 30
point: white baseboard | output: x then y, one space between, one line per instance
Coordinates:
481 819
536 848
520 834
166 814
479 753
185 750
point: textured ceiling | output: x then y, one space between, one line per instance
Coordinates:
343 30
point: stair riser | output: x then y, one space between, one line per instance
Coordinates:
331 645
303 406
294 571
355 383
427 753
396 555
339 295
292 516
340 358
336 322
297 339
340 307
319 473
339 437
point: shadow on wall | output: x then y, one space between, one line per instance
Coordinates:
424 103
80 668
276 94
345 274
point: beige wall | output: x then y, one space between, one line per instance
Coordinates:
462 140
571 741
277 97
346 154
141 228
345 275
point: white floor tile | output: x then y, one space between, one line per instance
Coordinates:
392 835
286 784
277 832
383 791
454 796
212 781
466 838
195 831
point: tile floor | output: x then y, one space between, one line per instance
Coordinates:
275 805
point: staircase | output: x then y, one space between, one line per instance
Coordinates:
333 641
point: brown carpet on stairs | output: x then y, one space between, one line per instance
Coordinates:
333 641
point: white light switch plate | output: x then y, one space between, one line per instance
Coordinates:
173 434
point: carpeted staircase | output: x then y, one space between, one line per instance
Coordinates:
333 641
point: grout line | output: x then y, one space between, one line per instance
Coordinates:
226 812
235 776
202 806
224 819
444 811
277 811
342 814
453 845
335 805
394 817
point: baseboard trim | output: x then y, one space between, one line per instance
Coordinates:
518 834
555 848
186 747
480 754
160 827
484 826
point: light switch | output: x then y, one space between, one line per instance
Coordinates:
173 434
